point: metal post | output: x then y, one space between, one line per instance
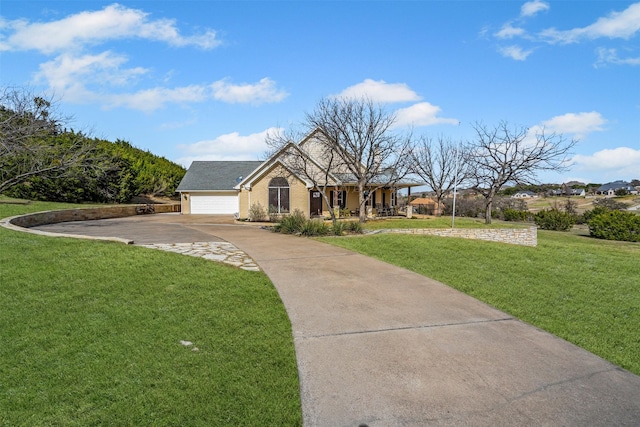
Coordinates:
455 187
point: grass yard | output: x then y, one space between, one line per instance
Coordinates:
584 290
91 335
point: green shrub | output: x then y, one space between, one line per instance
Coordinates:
354 227
554 219
510 214
257 213
616 225
338 228
597 210
292 223
314 227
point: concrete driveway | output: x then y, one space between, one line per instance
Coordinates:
382 346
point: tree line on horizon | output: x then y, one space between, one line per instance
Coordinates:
40 159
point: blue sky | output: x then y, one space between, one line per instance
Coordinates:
206 80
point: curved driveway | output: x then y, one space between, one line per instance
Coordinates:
382 346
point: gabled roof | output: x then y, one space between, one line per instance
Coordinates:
275 159
615 185
215 175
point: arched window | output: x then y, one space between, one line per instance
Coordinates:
278 195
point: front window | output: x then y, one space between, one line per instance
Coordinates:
279 195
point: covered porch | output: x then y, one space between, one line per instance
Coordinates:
344 201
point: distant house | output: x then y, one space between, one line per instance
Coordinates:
610 188
427 206
524 195
567 192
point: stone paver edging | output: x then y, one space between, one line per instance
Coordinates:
214 251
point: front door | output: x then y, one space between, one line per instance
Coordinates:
315 203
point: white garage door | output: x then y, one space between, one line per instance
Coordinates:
214 204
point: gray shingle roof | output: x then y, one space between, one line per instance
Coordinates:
615 185
215 175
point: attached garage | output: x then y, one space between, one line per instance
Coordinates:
208 186
216 204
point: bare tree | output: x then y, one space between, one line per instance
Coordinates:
367 151
299 162
440 164
505 154
356 146
29 126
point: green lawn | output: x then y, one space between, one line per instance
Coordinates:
584 290
90 335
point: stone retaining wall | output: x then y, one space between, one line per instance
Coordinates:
85 214
516 236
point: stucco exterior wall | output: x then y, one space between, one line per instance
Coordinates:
185 203
244 203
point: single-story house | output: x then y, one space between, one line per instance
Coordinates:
525 194
278 186
610 188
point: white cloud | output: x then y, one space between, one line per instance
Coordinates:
531 8
67 72
264 91
380 91
515 52
149 100
616 163
231 146
82 77
89 78
90 28
623 25
579 124
508 32
610 56
421 114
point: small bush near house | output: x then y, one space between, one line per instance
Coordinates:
554 219
257 213
354 227
338 228
314 227
297 223
616 225
291 224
